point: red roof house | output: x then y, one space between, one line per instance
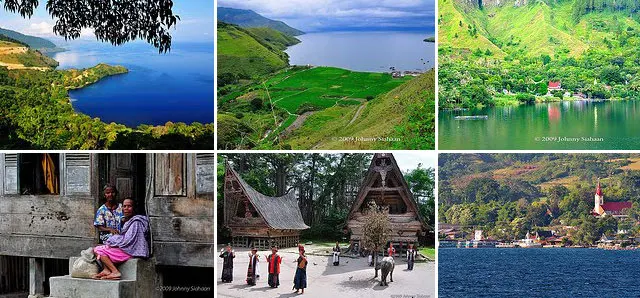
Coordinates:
554 85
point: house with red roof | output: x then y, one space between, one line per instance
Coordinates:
615 209
554 85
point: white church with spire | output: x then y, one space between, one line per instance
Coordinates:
615 209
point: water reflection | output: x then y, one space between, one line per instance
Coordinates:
522 127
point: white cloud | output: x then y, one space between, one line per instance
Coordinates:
328 8
39 29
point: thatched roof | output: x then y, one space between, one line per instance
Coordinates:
278 212
372 175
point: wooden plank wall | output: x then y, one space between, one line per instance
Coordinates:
48 226
181 219
14 274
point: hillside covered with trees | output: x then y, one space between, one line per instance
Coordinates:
508 195
506 53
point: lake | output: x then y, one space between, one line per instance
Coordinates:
177 87
560 126
365 51
542 272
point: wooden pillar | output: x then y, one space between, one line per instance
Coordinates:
36 277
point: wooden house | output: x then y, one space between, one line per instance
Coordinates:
48 202
385 184
259 220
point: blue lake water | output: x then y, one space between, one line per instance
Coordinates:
177 87
562 272
365 51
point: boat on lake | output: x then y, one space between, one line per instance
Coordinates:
477 117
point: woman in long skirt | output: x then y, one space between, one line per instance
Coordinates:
411 257
336 255
253 270
227 255
300 280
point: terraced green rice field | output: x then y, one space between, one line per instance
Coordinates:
325 87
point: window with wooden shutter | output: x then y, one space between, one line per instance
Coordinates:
10 177
205 173
76 172
170 174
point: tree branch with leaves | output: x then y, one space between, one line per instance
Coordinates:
116 22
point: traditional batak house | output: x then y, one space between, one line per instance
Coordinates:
385 184
615 209
259 220
47 207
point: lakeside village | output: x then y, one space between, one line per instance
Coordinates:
456 236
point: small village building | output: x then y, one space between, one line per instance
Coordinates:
259 220
615 209
48 203
385 184
554 85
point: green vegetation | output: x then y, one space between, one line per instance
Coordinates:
265 104
430 39
35 113
250 19
507 50
344 104
18 55
30 41
321 180
508 195
243 54
429 252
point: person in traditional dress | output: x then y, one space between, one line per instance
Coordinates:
391 251
336 254
300 279
227 254
253 271
411 257
131 242
108 219
274 261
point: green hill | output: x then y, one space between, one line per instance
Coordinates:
32 41
248 53
404 115
272 37
501 53
18 56
249 19
508 195
539 27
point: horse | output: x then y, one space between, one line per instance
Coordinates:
386 265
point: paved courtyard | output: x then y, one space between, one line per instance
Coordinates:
353 278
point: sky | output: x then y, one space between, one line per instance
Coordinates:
196 23
345 15
409 160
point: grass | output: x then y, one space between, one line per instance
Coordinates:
328 129
633 166
429 252
452 34
325 87
240 53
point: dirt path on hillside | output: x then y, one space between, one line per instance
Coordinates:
357 114
296 124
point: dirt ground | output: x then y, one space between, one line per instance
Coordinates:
353 278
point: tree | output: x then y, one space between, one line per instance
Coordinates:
376 229
116 22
